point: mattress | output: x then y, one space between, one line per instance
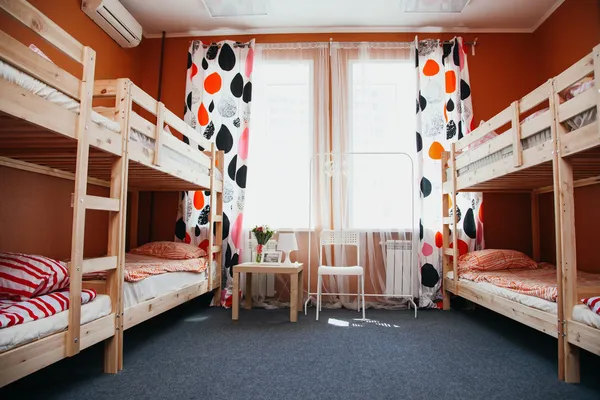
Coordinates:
147 144
578 121
35 86
159 285
581 312
17 335
527 143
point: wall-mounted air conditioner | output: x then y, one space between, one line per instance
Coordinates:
111 16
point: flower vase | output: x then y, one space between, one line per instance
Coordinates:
259 250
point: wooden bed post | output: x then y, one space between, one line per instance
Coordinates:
445 231
516 132
113 349
80 192
215 218
535 225
454 220
564 205
134 195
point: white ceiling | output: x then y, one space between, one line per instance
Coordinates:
191 18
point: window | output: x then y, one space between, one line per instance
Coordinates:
381 121
280 145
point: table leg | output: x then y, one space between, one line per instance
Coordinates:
235 306
294 297
248 293
301 290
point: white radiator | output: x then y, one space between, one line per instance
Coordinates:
399 268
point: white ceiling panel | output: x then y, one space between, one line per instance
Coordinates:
191 17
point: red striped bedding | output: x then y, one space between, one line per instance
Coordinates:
14 312
24 276
138 267
539 282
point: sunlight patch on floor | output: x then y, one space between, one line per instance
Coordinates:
199 318
359 323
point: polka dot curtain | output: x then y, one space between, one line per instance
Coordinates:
444 115
217 104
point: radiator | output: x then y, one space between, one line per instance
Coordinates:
399 268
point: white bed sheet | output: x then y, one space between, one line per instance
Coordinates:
17 335
581 312
158 285
27 82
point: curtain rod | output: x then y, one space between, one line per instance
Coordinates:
240 45
472 43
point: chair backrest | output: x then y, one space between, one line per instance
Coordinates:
335 237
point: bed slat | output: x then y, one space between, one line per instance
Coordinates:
17 54
43 26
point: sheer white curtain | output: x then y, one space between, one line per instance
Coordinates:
372 113
290 118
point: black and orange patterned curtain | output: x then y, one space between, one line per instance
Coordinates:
217 104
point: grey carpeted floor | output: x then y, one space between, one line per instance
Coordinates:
198 353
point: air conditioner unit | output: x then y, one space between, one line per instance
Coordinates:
111 16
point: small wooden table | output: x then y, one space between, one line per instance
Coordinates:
295 271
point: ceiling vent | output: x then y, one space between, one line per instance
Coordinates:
434 6
236 8
115 20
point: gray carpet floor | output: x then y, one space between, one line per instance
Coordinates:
197 353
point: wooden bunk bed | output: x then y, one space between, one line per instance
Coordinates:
41 136
554 150
522 159
578 165
160 161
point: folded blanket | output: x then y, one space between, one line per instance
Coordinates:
14 312
138 267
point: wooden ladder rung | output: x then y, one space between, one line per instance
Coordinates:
217 218
215 249
449 252
448 220
99 264
447 187
101 203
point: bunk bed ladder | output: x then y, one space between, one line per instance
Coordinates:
113 261
215 223
449 203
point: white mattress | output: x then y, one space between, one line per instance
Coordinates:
27 82
581 312
158 285
17 335
147 143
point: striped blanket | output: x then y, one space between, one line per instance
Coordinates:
14 312
539 282
138 267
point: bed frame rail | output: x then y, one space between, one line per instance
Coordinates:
495 175
578 165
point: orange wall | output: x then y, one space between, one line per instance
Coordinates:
564 38
35 207
567 36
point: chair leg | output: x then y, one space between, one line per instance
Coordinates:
358 293
319 282
362 282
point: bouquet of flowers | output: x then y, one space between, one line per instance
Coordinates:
262 234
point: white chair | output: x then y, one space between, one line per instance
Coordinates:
343 238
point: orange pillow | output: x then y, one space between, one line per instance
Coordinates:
170 250
494 260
